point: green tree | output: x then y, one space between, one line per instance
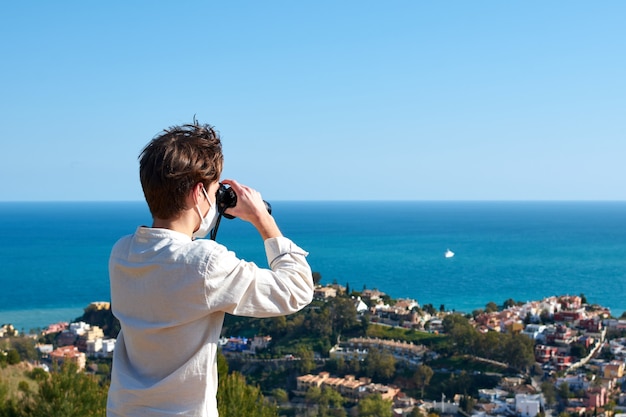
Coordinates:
280 395
563 391
38 374
546 317
328 401
104 369
461 332
23 387
416 412
320 323
365 322
67 393
430 309
8 406
467 403
13 357
459 383
337 366
277 325
491 307
375 406
341 365
335 402
313 395
489 345
451 321
477 312
25 346
379 364
354 365
519 351
307 359
422 377
578 350
236 398
343 315
527 319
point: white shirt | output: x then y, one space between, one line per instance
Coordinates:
170 294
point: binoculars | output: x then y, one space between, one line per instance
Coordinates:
226 198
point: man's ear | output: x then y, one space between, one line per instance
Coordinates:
196 192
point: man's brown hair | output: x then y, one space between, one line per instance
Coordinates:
174 162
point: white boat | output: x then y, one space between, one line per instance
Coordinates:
449 254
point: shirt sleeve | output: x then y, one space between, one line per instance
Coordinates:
243 288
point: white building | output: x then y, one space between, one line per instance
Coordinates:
45 349
534 331
79 328
100 347
492 394
528 405
360 305
260 342
574 382
108 345
94 346
348 353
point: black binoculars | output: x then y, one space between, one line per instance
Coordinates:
226 198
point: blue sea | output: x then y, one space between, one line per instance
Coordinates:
53 255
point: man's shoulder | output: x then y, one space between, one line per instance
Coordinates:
121 242
203 247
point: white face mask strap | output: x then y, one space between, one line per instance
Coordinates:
207 196
198 204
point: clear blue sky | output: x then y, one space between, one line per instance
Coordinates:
320 100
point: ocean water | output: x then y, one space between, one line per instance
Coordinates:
53 256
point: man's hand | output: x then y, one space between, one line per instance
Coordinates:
251 208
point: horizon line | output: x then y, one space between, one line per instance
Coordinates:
356 201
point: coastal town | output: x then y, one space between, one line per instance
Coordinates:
577 365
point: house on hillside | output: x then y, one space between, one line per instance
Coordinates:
528 405
324 293
69 354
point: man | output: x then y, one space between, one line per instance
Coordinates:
170 289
